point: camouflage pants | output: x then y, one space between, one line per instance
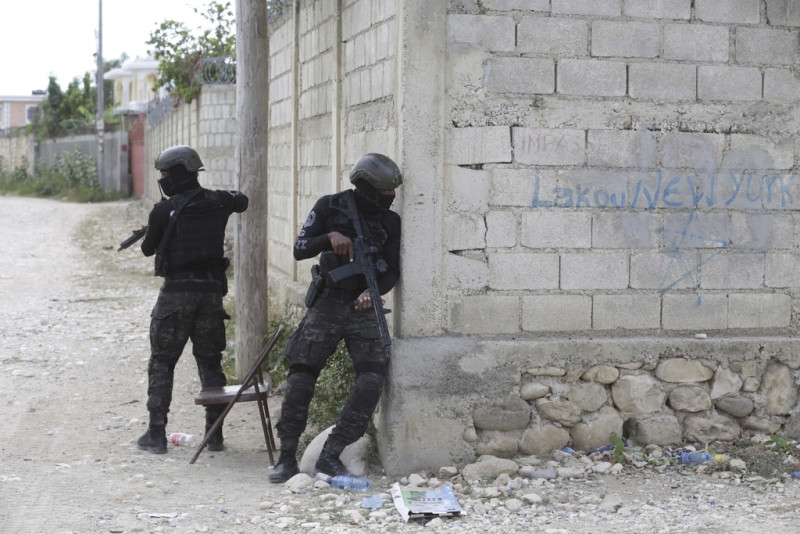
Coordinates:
325 324
177 318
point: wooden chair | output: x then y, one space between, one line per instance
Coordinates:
252 388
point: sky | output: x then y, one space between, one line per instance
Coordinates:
59 37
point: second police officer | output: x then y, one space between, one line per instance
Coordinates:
341 310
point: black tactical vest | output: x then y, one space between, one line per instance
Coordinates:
198 240
338 220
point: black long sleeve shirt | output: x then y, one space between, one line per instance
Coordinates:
325 218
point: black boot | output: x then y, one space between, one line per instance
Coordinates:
215 443
329 462
286 467
154 440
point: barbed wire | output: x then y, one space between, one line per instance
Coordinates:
217 71
158 108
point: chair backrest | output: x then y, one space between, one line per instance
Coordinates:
255 370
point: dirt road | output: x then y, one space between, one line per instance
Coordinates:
74 316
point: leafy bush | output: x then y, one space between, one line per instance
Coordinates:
72 176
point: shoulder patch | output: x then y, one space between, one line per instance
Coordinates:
310 221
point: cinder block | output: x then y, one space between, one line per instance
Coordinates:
759 311
594 271
556 229
781 270
476 145
763 231
766 46
383 10
494 33
665 271
779 153
465 273
728 83
659 9
728 11
485 314
464 231
783 13
621 148
696 42
700 152
466 189
520 75
731 271
514 187
501 229
516 5
523 271
694 312
604 8
546 146
625 230
663 81
591 77
631 312
781 85
553 35
699 229
556 313
624 39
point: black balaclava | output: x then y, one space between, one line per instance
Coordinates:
369 199
178 180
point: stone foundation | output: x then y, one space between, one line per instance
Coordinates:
531 397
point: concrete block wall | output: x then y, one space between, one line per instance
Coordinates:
632 154
15 150
208 125
332 86
588 185
216 134
617 176
282 206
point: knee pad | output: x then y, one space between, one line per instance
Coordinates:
369 382
300 387
370 367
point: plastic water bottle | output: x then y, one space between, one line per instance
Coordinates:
350 483
178 438
694 458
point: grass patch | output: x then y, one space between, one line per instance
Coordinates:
72 177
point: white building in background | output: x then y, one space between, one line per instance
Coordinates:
134 85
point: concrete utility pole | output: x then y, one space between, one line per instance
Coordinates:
250 257
100 120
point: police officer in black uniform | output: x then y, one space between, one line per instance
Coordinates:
341 310
186 232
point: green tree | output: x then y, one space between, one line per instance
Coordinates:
180 52
73 111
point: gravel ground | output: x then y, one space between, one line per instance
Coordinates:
74 316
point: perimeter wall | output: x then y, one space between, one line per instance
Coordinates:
588 186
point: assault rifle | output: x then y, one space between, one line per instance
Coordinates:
135 236
364 263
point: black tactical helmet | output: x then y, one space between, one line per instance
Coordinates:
179 155
378 171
